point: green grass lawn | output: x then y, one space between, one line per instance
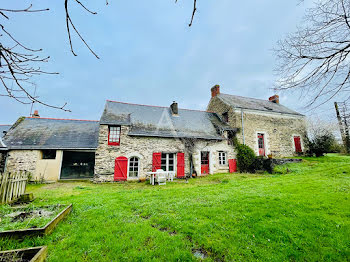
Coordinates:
301 213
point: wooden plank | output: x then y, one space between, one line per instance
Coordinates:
35 254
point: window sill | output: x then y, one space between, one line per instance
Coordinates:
114 144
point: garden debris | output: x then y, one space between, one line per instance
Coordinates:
21 216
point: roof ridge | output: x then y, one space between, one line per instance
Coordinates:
247 97
134 104
277 110
157 106
62 119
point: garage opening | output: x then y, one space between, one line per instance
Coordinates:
77 165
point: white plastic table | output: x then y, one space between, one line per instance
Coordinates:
169 174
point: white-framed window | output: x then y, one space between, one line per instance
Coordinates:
134 167
222 158
168 161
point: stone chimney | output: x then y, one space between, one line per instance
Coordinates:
36 113
174 108
215 90
275 99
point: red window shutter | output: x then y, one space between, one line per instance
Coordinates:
157 161
232 163
180 165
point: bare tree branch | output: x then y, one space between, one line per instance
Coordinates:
19 63
193 12
315 59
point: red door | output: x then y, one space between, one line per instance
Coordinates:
180 165
297 144
204 162
261 144
121 169
232 163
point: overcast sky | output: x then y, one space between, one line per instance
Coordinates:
149 55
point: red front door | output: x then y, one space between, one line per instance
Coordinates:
121 169
297 144
180 165
261 144
204 162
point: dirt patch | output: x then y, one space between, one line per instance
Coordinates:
13 257
200 253
21 216
172 233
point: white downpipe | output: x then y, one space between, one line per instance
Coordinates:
242 126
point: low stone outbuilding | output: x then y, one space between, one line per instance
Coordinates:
265 125
52 149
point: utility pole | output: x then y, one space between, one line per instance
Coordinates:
344 129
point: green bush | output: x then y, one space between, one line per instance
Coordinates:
320 144
246 159
248 162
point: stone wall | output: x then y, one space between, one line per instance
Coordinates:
2 160
278 129
31 161
22 160
144 147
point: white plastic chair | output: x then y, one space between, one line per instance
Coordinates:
161 177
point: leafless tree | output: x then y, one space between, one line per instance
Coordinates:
314 59
19 63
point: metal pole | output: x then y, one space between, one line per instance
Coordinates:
242 126
341 127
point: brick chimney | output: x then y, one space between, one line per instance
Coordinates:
36 113
215 90
275 99
174 108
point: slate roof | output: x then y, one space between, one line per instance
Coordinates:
159 122
255 104
46 133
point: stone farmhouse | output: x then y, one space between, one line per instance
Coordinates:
131 139
266 126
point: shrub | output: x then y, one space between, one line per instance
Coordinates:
248 162
336 147
320 144
246 159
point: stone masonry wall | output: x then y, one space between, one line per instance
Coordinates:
144 147
278 129
21 160
2 161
